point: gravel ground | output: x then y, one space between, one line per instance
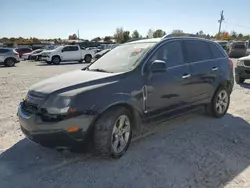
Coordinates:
191 151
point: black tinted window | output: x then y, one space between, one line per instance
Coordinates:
3 50
239 46
73 48
170 52
70 48
197 50
216 52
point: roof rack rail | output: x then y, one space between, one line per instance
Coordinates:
131 40
180 35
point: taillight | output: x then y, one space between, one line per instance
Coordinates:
230 62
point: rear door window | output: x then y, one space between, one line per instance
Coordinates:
73 48
197 50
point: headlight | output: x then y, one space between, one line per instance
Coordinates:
58 105
240 63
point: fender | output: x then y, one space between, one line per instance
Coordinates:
116 99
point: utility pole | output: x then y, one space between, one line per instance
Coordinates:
78 34
221 20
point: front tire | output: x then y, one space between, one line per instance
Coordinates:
113 132
87 59
219 103
239 80
56 60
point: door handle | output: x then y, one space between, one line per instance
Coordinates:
215 69
186 76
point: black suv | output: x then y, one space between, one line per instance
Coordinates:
135 83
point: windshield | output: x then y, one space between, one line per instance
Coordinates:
122 58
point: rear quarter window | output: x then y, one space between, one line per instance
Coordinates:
216 51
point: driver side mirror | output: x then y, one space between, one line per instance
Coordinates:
158 66
62 50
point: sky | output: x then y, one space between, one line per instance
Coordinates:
93 18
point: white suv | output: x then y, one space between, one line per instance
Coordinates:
8 57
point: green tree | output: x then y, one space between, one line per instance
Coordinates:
177 32
233 34
107 38
159 33
96 39
135 34
126 36
240 36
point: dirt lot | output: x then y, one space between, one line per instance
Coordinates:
192 151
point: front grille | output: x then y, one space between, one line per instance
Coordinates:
247 63
29 108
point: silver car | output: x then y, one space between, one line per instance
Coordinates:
8 57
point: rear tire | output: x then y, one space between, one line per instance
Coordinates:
239 80
87 58
113 132
219 103
56 60
9 62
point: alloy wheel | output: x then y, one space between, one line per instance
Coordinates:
222 102
120 134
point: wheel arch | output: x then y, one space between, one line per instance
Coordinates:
56 56
10 58
121 101
88 55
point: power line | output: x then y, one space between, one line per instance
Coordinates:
236 25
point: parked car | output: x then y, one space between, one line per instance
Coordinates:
242 70
8 57
37 56
26 56
237 49
101 53
137 82
67 53
223 44
21 51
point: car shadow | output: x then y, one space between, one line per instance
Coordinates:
191 151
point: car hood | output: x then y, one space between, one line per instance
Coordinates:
48 51
75 82
245 58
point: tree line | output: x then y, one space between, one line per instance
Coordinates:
122 36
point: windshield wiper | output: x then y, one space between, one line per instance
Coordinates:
99 70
